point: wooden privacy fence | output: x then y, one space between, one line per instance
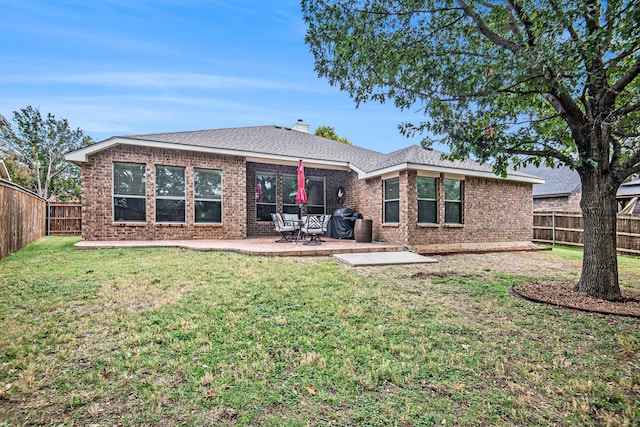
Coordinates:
566 228
23 217
65 219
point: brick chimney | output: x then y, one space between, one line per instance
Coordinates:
300 126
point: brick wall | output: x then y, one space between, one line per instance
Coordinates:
97 196
570 203
494 211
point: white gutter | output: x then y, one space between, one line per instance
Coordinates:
81 155
444 169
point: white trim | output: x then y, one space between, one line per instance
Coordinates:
156 197
127 196
454 176
390 175
448 170
429 174
81 156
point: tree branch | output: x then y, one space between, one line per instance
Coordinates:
630 165
621 84
524 18
547 152
486 31
626 110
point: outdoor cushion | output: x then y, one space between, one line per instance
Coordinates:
288 231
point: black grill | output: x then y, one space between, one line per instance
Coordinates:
341 224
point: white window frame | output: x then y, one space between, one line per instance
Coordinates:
183 198
128 196
203 199
437 182
385 201
457 201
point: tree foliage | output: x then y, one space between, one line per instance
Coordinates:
329 132
35 146
501 81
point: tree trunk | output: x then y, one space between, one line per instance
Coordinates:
600 264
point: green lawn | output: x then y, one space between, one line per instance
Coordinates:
174 337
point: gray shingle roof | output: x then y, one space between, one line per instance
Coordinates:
273 140
426 156
265 141
629 189
560 181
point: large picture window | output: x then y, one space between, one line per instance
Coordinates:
427 200
289 191
207 195
265 196
453 201
392 200
129 192
170 194
315 195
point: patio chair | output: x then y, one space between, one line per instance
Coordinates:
325 225
291 219
287 229
313 227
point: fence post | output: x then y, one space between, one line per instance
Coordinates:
553 228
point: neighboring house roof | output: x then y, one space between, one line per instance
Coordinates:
563 181
629 189
560 181
276 144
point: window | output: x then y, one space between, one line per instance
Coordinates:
289 191
392 200
129 192
453 201
315 195
170 199
265 196
427 200
207 195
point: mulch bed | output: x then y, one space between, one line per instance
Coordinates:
562 294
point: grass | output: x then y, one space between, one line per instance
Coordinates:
173 337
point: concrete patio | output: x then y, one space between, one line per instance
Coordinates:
260 246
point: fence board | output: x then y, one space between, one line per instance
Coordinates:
65 219
23 217
567 228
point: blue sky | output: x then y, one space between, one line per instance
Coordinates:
124 67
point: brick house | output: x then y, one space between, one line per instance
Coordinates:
225 183
562 191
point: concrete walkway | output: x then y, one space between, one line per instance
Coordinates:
368 259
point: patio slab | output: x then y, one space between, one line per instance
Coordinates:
259 246
368 259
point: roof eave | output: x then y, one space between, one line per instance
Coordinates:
551 195
449 170
82 155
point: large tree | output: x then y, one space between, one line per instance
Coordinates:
38 144
326 131
553 81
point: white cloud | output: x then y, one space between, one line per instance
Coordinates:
162 80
